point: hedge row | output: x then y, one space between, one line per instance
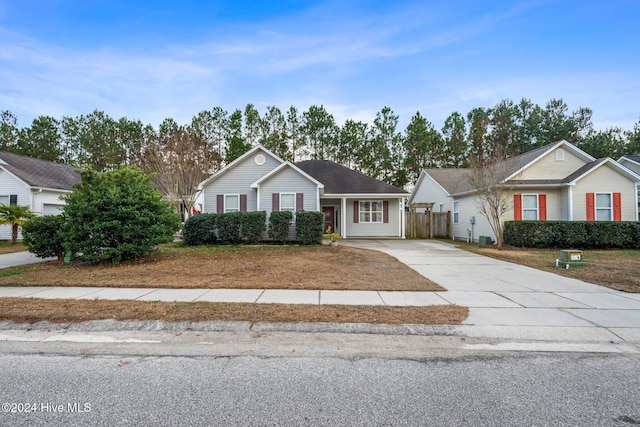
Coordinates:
572 234
248 227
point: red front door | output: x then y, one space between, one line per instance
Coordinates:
329 218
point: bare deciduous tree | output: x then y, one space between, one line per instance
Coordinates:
179 162
495 194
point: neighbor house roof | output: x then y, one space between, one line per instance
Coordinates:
40 173
338 179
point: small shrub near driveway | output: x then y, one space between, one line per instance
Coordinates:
200 229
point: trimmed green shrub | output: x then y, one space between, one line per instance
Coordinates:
229 226
279 225
200 229
573 234
43 236
116 215
309 227
252 225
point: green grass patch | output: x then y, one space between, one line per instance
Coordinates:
13 271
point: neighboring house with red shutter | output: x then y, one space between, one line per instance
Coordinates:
35 183
354 204
633 163
555 182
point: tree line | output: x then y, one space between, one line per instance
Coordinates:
216 137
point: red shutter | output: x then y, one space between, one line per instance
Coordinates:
617 207
591 207
356 212
517 207
275 202
542 207
385 211
220 203
243 203
299 201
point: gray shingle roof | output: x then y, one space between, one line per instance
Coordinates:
338 179
40 173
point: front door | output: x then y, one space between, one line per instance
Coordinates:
329 218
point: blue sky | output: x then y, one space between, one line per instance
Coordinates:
150 60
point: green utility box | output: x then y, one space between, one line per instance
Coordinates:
485 241
570 257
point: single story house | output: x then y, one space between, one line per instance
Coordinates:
36 183
354 205
555 182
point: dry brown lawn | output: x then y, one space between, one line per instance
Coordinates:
263 267
614 268
7 248
272 267
28 310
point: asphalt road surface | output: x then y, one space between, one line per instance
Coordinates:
84 386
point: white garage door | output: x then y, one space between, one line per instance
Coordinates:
50 209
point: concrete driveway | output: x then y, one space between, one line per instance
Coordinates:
510 301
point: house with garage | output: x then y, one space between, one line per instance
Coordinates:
35 183
354 205
555 182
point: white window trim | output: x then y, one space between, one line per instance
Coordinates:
227 210
294 202
559 155
8 199
609 208
537 209
456 212
371 211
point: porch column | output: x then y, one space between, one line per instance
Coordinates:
402 218
343 213
570 203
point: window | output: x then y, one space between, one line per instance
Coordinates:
371 211
4 200
456 212
530 207
604 207
559 155
288 202
231 203
441 207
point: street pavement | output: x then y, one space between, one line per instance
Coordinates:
506 301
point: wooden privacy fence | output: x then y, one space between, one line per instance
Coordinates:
427 225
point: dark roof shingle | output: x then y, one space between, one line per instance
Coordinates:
40 173
338 179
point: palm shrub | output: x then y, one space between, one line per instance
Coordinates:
15 216
116 215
